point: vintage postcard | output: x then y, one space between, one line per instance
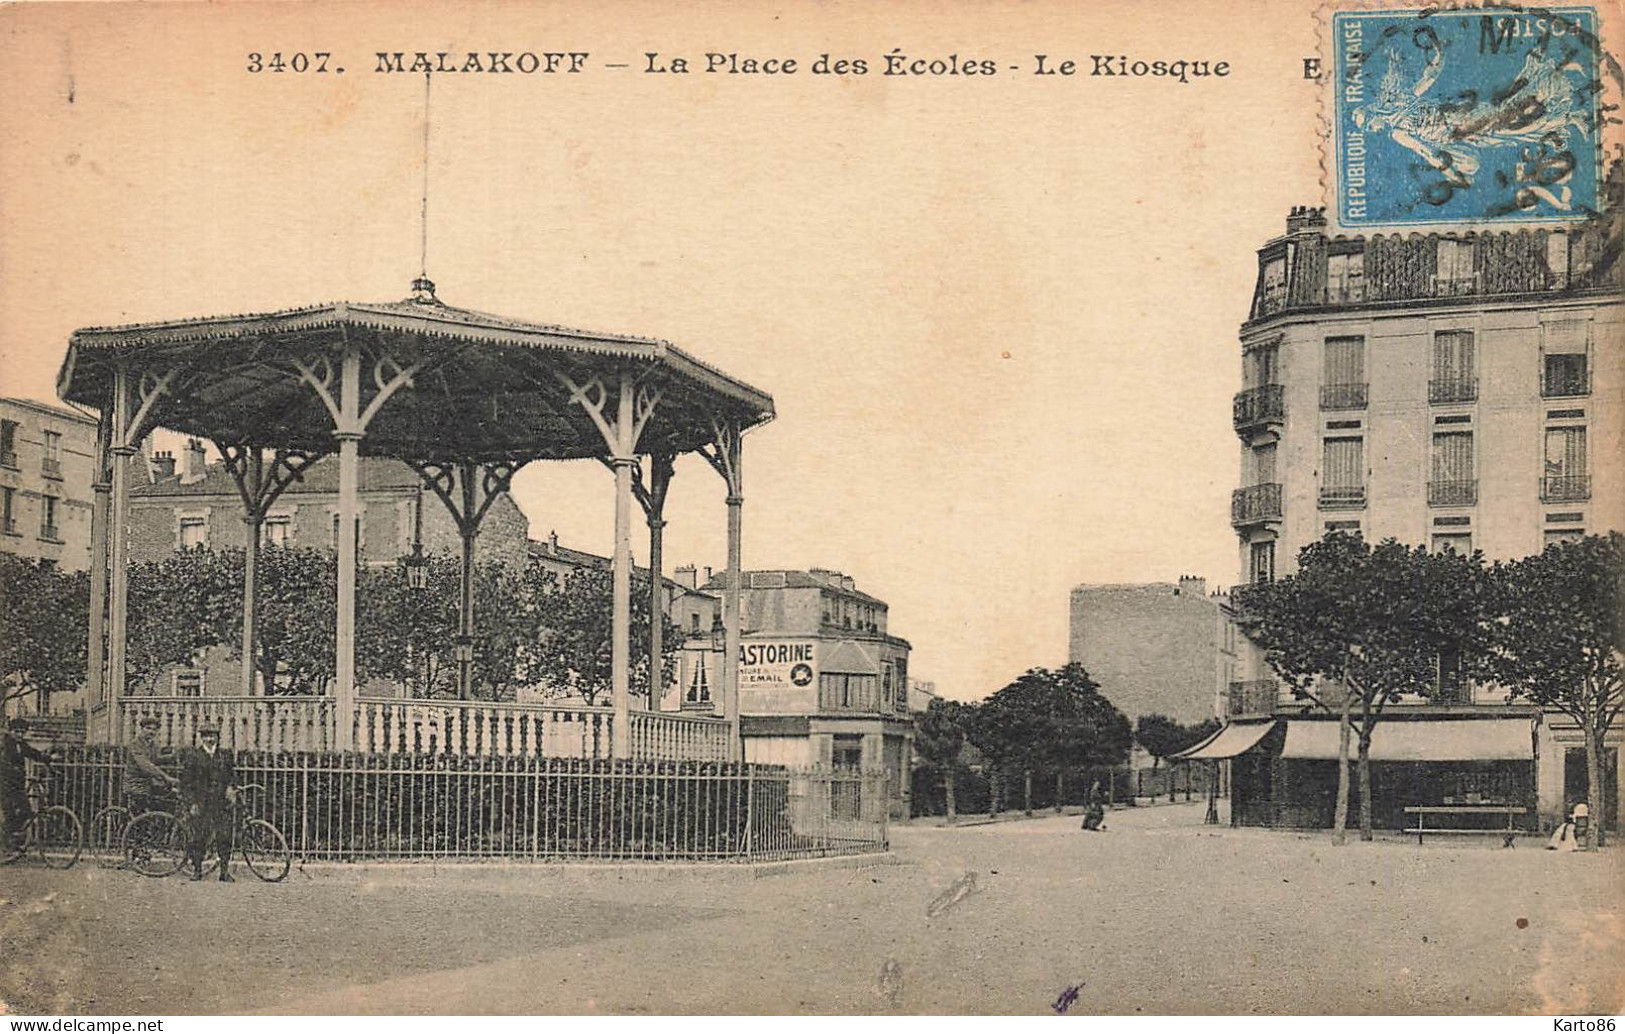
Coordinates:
861 508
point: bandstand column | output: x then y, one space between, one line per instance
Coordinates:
118 575
733 615
621 574
96 652
349 439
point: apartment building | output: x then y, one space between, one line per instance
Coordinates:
1462 391
47 467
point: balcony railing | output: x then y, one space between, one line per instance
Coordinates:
1342 497
1566 488
1453 389
1453 493
1257 696
1343 396
1567 384
50 532
8 458
51 468
1255 505
1451 688
8 526
1258 407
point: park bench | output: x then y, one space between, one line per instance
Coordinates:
1422 811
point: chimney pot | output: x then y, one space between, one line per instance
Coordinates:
192 464
163 465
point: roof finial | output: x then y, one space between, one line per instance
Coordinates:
423 287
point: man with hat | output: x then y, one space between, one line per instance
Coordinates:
14 751
208 789
145 781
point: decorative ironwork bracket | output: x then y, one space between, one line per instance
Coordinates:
260 488
723 452
466 488
593 396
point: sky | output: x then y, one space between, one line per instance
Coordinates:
998 314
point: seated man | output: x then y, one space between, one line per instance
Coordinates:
146 784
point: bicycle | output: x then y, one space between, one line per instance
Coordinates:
54 833
155 843
107 828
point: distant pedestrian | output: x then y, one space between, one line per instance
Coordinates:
15 750
208 791
1094 812
1571 834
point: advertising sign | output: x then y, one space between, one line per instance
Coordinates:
778 664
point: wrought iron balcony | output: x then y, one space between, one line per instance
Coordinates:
1256 696
1255 505
8 458
51 468
8 526
1568 488
50 532
1451 687
1342 497
1565 383
1453 389
1453 493
1343 396
1258 407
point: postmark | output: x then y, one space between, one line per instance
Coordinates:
1485 115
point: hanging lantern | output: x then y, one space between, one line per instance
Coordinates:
719 634
417 569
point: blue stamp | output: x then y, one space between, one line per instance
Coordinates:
1485 115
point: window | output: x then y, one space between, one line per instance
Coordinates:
886 686
1451 686
1262 565
1264 465
1345 277
1565 478
1342 481
694 623
194 532
1343 386
1557 258
1562 536
1565 370
189 683
1454 541
1261 366
1452 482
51 466
274 531
48 529
1454 379
699 684
8 510
1274 284
1455 268
8 443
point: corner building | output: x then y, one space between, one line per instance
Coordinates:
1462 391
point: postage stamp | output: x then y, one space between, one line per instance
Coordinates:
1484 115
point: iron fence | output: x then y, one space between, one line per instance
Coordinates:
357 807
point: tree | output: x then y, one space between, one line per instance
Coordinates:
940 737
177 606
1161 736
44 636
1358 627
572 653
1560 637
1045 718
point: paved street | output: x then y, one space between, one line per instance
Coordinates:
1157 915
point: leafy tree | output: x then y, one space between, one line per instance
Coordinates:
1055 719
572 653
1161 736
1560 638
940 737
177 606
44 636
1358 627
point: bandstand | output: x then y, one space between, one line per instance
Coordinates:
467 399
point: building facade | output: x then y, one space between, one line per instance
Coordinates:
822 682
47 467
1461 391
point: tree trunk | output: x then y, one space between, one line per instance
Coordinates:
949 787
1060 789
1594 795
1027 792
1365 784
994 789
1212 816
1340 820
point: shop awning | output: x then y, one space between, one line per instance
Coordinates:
1485 739
846 657
1228 742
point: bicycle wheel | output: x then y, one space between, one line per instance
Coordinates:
58 836
107 835
155 843
265 850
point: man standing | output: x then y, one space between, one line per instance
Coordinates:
208 789
14 751
144 779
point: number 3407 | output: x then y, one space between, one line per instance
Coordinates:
299 62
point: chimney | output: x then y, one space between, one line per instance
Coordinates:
192 462
848 583
1190 585
708 574
686 576
553 543
1304 218
162 465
